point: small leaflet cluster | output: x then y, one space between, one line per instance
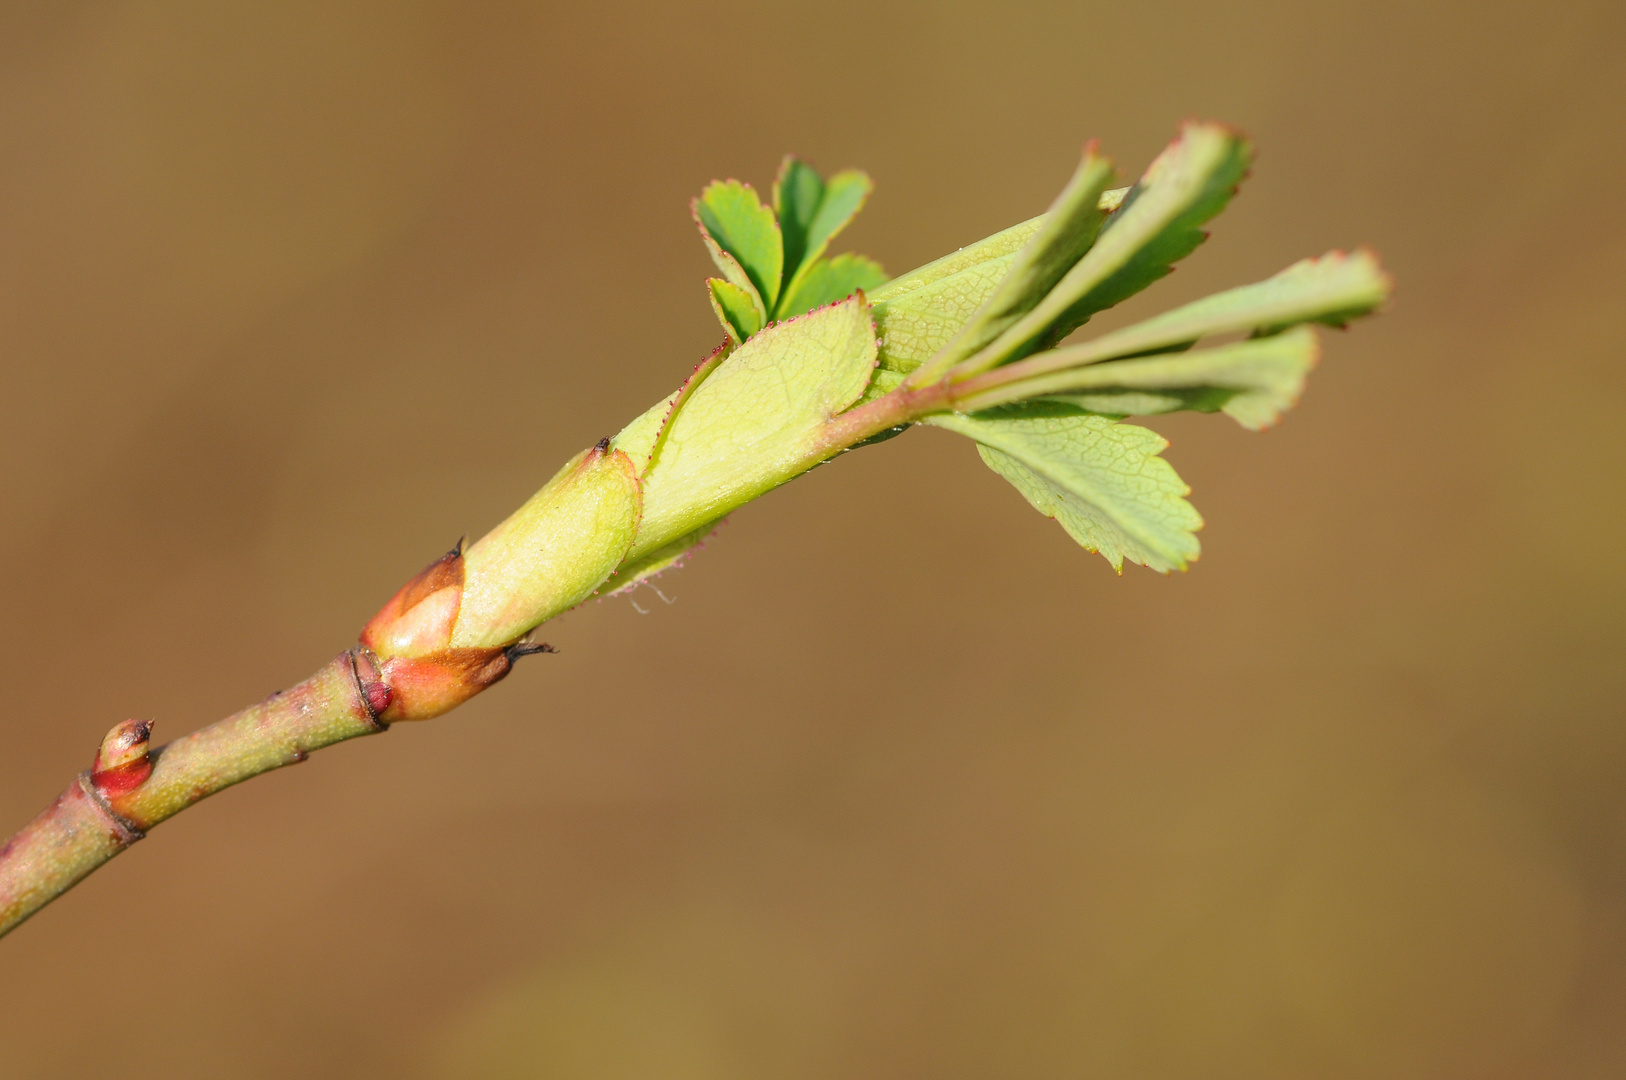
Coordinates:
991 325
773 258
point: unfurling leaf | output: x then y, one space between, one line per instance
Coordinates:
1158 224
1065 234
920 312
1253 382
735 223
1102 480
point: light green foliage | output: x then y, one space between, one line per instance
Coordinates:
1329 290
1158 224
754 422
1003 243
829 280
773 259
736 224
1253 382
976 332
1102 480
1068 231
551 553
920 312
915 325
736 309
811 212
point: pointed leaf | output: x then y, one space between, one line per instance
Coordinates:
1158 224
755 422
843 196
736 309
732 218
1253 382
1102 480
1069 229
1330 290
914 327
797 192
828 280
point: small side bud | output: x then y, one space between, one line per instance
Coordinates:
123 763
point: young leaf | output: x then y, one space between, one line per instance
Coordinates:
809 226
828 280
734 222
1253 382
1330 290
914 327
736 309
797 192
1069 229
1158 224
1102 480
754 423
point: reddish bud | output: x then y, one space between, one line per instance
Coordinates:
122 763
408 669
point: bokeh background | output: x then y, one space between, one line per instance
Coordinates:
903 784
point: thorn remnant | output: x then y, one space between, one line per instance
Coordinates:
526 648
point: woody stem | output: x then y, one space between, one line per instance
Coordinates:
102 813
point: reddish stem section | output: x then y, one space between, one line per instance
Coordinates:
104 812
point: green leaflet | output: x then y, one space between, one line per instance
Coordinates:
828 280
734 222
1329 290
1067 231
736 309
1102 480
797 192
811 212
754 422
1158 224
920 312
1253 382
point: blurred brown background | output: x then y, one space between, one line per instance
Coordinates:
904 785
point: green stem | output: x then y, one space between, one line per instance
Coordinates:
103 812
